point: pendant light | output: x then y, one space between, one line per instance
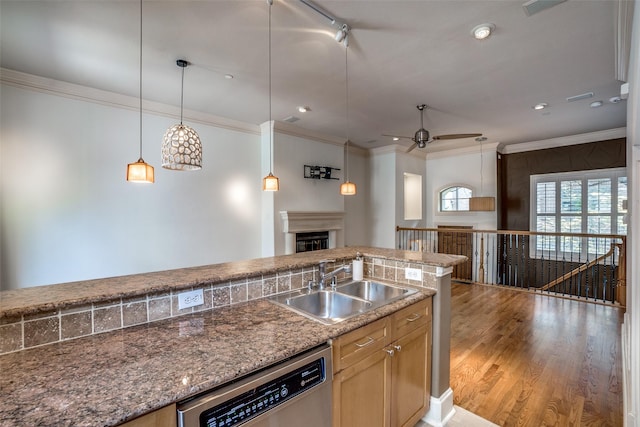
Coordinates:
140 171
482 204
347 188
270 182
181 146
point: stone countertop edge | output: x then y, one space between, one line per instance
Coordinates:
50 297
114 377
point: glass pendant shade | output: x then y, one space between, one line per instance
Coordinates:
348 188
270 183
140 172
181 148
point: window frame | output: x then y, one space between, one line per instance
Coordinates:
449 187
555 245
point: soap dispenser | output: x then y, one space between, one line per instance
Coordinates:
358 267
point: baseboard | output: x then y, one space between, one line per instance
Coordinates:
441 409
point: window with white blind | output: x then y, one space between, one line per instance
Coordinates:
586 202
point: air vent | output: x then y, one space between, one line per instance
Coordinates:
534 6
579 97
291 119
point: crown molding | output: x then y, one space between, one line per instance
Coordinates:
583 138
111 99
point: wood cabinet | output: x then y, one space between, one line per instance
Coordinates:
163 417
382 371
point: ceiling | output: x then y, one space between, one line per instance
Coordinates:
401 54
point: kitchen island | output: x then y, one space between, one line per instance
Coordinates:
105 378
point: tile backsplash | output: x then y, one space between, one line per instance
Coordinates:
32 330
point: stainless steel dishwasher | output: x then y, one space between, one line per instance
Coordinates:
292 393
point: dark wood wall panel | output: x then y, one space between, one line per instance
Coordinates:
515 169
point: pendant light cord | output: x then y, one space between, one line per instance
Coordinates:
481 173
346 73
270 121
140 80
182 93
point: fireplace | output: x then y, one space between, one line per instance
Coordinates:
312 230
313 241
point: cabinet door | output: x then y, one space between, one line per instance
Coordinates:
411 377
164 417
361 393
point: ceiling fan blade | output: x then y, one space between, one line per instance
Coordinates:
415 144
457 136
398 136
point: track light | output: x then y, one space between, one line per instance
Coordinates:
342 33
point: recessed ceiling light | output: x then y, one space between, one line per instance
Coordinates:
595 104
481 139
615 99
395 138
540 106
303 109
228 76
482 31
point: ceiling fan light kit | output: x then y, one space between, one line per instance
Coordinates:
422 137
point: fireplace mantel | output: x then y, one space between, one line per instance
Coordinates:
303 222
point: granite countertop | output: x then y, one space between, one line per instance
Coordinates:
106 379
45 298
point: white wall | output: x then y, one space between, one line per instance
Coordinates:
386 175
68 213
291 153
357 223
462 167
632 317
382 175
408 163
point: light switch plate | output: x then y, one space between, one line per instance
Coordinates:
413 274
190 299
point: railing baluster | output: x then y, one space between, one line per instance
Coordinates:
558 263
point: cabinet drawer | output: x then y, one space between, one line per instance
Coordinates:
411 318
356 345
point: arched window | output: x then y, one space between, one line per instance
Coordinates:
455 199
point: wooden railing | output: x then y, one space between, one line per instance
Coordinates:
588 266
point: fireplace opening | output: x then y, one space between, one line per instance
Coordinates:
313 241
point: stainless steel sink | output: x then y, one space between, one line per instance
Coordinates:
325 306
342 302
374 291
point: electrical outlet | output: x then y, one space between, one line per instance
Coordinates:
413 274
190 299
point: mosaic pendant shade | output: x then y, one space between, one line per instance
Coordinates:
181 148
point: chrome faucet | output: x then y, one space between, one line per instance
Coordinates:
324 276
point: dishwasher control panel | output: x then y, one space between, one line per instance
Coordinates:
265 397
239 406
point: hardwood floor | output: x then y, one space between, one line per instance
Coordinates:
520 359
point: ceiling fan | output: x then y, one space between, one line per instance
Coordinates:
422 138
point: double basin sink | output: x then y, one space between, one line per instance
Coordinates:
341 302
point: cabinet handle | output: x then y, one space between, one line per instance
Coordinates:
397 347
389 351
364 344
413 317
